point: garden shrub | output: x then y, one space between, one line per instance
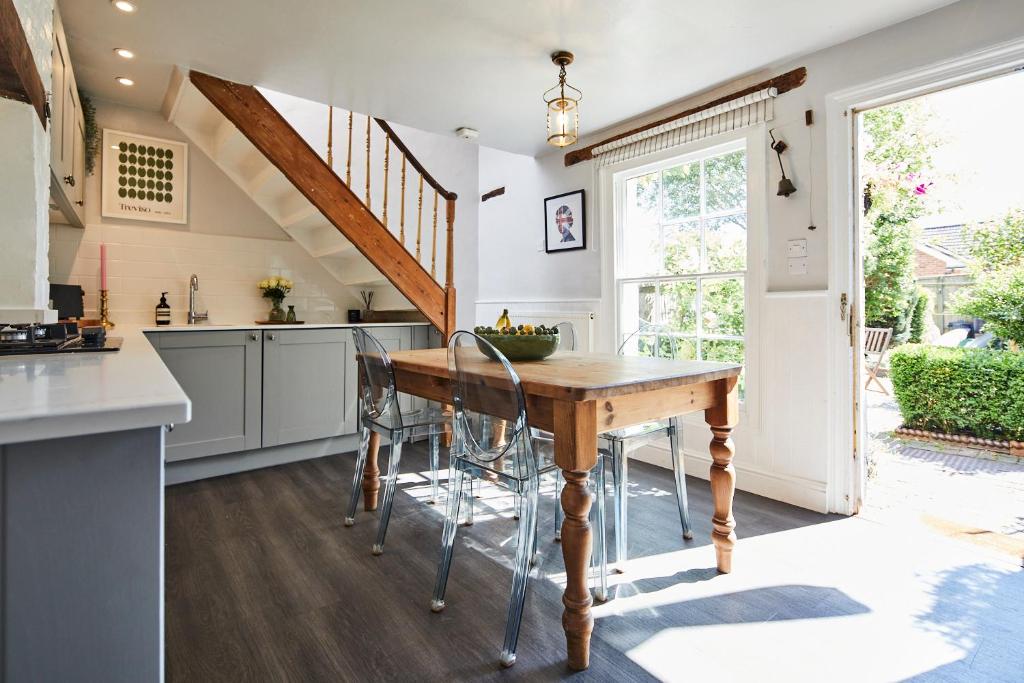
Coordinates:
918 317
960 391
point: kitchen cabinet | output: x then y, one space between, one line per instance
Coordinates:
67 135
221 372
307 389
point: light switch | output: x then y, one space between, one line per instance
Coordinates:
796 248
798 266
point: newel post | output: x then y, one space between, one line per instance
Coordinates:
449 268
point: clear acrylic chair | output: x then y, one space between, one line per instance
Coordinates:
487 396
379 412
616 445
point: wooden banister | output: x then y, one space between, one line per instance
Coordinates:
397 142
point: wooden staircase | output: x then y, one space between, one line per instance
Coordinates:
253 142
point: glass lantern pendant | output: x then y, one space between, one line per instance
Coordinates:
563 102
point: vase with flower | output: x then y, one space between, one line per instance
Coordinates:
276 288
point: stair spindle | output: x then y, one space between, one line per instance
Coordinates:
330 136
368 119
401 218
419 219
387 155
433 247
348 159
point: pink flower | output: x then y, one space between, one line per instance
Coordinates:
922 189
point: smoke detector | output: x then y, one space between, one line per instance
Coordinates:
467 133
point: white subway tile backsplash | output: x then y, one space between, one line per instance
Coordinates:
145 261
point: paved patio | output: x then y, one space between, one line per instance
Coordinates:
968 493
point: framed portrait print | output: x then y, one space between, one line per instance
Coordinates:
144 178
565 222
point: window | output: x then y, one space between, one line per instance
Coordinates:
681 274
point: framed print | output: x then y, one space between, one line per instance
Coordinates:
144 178
565 222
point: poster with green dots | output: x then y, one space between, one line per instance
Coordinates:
144 178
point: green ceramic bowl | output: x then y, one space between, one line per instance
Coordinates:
521 347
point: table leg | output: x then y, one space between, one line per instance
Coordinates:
721 419
575 438
371 474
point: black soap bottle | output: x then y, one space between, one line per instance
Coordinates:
163 311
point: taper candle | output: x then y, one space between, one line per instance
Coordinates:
103 266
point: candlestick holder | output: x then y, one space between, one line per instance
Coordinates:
105 310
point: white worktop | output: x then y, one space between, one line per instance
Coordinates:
254 326
74 394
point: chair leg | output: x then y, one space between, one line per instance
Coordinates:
357 478
435 457
600 557
620 472
558 505
395 457
679 469
451 524
471 503
524 550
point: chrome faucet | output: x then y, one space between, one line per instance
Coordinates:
193 315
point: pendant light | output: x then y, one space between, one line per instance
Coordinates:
563 102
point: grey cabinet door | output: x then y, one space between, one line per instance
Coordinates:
398 339
221 371
307 385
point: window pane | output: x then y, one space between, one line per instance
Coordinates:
726 240
678 348
636 307
641 241
726 181
642 199
682 191
722 309
641 345
682 248
725 351
679 306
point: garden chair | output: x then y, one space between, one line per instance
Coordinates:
876 341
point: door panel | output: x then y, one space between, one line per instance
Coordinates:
221 374
305 389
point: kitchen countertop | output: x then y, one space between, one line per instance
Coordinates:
74 394
253 326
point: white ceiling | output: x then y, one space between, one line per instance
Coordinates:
446 63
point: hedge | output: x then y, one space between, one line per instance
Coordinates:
960 391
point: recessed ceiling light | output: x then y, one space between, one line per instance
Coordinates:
124 52
124 80
124 5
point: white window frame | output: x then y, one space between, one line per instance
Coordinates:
610 183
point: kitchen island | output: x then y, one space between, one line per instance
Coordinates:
88 442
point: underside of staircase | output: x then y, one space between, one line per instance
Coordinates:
251 141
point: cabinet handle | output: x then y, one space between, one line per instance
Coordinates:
69 180
271 336
253 336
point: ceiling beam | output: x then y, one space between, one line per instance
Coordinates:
19 78
783 83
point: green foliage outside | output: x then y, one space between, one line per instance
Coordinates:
960 391
997 262
919 316
896 162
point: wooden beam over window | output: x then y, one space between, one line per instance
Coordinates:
19 78
783 83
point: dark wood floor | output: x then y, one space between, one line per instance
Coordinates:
264 583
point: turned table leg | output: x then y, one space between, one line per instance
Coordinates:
575 437
721 418
371 474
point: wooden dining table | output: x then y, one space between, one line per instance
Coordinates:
577 396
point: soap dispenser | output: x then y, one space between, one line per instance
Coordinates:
163 311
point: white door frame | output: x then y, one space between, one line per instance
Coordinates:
847 468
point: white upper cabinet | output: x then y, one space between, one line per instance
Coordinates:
67 136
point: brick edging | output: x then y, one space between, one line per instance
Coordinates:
1011 447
